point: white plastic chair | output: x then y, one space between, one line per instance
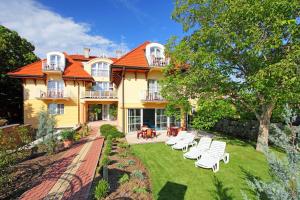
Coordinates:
211 158
183 144
174 139
196 151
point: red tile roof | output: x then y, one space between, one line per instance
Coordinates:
134 58
73 70
81 57
33 69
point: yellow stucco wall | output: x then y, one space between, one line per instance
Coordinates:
133 87
33 104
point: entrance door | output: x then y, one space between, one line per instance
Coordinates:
134 120
149 117
105 112
161 119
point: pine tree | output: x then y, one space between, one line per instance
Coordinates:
285 184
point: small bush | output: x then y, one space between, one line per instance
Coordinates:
124 145
138 174
68 134
124 179
121 165
140 190
109 130
105 160
131 162
123 154
101 189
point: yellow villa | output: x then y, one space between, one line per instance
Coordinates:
83 88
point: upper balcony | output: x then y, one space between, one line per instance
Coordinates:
54 94
108 94
52 67
159 61
151 96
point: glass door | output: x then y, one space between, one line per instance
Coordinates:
134 120
161 119
105 112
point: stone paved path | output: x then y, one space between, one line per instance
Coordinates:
71 177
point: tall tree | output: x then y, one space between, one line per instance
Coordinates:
245 50
15 52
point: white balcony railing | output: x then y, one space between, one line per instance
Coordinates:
99 94
159 61
148 95
52 66
54 94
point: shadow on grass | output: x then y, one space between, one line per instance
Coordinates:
172 191
221 192
253 180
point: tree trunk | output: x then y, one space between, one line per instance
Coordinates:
264 126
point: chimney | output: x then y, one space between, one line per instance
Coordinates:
86 52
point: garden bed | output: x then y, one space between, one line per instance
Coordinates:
27 174
134 186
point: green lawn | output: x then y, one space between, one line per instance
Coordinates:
173 177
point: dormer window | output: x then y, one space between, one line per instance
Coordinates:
55 62
155 55
156 52
100 69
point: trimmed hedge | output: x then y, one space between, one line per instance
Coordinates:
109 130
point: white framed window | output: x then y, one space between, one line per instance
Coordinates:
153 86
175 122
156 52
102 86
55 85
56 109
161 119
134 119
100 69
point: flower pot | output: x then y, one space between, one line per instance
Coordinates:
68 143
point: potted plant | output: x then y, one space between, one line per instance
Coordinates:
68 138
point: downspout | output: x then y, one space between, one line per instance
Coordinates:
123 103
78 102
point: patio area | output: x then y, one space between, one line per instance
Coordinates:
161 137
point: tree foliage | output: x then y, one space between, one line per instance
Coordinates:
285 184
210 111
245 50
15 52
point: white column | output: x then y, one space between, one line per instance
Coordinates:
155 117
142 117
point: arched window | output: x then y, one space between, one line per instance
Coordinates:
100 69
156 52
55 61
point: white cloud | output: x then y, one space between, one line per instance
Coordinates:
49 31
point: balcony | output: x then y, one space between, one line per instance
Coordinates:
54 94
151 96
52 67
109 94
159 61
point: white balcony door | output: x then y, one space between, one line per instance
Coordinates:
54 85
153 86
161 120
134 119
54 61
105 111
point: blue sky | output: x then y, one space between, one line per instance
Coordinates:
133 20
102 25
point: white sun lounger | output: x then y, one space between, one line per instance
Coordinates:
185 142
212 157
174 139
196 151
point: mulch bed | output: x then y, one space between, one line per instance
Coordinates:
126 190
27 174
